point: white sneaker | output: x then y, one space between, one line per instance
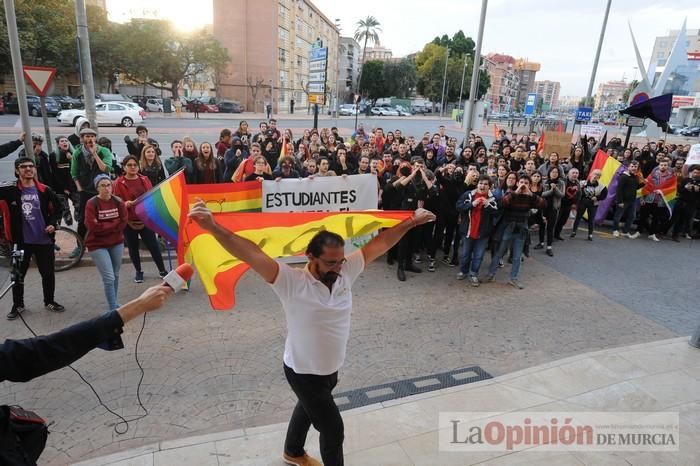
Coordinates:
654 238
688 237
634 235
461 276
616 234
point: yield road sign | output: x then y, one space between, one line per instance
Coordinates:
39 77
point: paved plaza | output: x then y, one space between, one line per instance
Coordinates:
662 376
209 371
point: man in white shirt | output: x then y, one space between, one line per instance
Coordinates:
317 301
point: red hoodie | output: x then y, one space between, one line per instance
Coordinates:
105 222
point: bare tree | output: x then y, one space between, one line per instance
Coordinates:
255 88
305 88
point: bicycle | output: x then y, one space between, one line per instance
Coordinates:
69 249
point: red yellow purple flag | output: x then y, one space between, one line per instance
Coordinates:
278 234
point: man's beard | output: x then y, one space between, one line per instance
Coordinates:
329 278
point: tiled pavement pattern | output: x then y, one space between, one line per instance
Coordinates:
210 371
658 376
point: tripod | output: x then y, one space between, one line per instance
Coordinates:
15 275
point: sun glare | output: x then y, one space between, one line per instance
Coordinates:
186 16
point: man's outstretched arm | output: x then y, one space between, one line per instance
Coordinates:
388 238
23 360
242 248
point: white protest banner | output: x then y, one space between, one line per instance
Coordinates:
321 194
693 155
595 131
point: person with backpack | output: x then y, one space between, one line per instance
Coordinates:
105 219
129 187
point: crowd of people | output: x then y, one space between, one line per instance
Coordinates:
509 197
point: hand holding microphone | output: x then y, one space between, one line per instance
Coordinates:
154 297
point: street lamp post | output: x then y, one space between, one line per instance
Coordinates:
597 53
473 88
461 87
16 55
337 70
444 81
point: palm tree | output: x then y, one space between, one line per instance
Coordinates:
367 29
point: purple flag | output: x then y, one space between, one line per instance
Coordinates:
609 201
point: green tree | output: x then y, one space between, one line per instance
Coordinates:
400 78
154 54
46 34
367 30
372 80
458 45
430 64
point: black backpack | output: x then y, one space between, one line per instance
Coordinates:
23 436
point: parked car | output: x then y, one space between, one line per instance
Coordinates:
403 111
67 102
108 113
34 106
203 107
109 98
347 110
228 106
384 111
691 132
154 105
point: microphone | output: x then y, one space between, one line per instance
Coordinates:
177 279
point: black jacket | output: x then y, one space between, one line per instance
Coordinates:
49 204
23 360
627 186
465 207
135 147
9 147
689 196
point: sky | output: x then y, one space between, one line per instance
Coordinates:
561 35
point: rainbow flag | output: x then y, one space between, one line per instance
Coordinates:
667 186
160 208
610 172
278 234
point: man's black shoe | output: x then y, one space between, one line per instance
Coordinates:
54 307
559 238
550 253
675 239
401 274
413 268
539 246
15 312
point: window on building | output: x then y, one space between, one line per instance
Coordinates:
282 54
299 60
283 34
302 45
284 12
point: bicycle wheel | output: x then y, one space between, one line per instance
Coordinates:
69 248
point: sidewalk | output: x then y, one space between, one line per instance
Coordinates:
657 376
